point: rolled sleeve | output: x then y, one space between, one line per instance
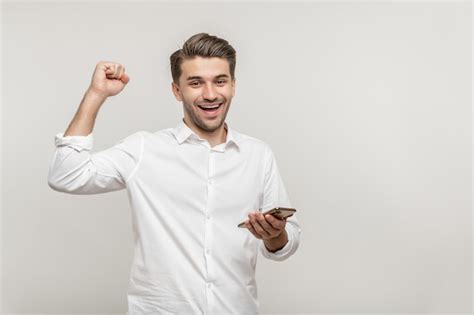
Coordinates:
79 143
293 230
76 170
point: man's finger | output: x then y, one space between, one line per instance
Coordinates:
266 225
117 71
121 73
252 230
258 228
276 223
111 71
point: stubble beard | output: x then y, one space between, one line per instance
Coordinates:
196 119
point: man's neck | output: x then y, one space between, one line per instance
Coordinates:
214 138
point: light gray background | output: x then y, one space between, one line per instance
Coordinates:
367 107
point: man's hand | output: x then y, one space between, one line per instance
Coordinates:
269 229
109 78
265 228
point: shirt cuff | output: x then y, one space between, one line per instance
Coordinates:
279 254
79 143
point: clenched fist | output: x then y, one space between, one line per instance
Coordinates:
109 78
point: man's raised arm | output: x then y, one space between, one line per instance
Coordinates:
74 169
108 79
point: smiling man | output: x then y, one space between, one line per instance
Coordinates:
206 88
189 186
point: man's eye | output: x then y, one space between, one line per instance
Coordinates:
195 83
221 81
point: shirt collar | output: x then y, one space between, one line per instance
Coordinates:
182 132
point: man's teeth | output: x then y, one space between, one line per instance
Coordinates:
214 106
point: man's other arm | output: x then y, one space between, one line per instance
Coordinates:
275 195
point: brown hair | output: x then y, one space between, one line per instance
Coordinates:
203 45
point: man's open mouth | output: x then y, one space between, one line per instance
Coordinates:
210 107
211 110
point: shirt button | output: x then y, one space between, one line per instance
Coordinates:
207 251
210 182
208 216
208 285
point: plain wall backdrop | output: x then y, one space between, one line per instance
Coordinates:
367 106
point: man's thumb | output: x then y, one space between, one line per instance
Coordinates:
125 78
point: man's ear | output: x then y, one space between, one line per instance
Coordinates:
176 91
233 87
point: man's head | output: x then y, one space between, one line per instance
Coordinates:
203 75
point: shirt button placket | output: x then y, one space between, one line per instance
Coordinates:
208 230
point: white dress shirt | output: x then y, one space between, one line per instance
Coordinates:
187 200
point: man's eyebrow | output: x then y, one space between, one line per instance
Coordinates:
199 78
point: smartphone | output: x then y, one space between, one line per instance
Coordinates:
278 212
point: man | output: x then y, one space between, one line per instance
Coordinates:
189 187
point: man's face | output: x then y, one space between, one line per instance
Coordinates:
205 82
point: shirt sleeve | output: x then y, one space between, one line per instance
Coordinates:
76 170
275 195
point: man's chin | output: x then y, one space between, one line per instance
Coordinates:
211 127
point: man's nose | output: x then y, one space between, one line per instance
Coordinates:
209 93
